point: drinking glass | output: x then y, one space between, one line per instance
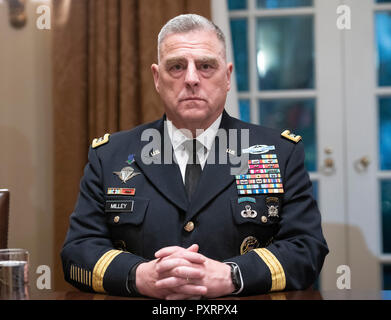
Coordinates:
14 274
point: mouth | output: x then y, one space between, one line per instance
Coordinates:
192 99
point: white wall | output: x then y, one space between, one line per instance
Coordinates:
26 135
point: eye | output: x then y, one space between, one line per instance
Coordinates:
176 67
206 68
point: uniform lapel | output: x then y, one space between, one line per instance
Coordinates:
216 176
166 177
214 179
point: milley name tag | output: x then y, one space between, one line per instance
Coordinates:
119 206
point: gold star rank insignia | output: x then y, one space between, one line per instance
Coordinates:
290 136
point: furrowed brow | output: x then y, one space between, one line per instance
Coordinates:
208 60
176 60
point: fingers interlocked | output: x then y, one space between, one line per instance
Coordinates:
181 272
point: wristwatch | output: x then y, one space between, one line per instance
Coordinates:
236 277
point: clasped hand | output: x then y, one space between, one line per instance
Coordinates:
180 273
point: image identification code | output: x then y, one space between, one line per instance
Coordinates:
200 309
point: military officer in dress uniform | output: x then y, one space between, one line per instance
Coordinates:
161 211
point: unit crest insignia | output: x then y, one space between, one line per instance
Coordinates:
249 244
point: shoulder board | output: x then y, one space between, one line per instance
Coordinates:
99 141
290 136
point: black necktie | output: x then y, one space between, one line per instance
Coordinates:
193 167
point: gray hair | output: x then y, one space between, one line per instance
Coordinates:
189 22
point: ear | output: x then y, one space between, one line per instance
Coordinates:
229 73
155 74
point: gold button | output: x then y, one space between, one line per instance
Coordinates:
263 219
116 219
189 226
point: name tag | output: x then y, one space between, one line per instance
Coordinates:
119 205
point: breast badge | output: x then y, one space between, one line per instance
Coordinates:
248 212
126 174
258 149
272 206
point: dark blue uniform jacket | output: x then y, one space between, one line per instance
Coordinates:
109 232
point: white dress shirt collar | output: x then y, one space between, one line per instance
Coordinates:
206 137
179 136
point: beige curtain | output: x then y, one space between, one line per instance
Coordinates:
102 53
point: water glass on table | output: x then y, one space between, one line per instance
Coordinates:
14 274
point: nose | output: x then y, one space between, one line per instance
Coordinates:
192 78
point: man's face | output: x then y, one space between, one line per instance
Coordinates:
192 78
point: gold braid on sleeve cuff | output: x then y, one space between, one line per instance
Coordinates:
100 269
275 267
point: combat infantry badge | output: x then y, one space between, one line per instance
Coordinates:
258 149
